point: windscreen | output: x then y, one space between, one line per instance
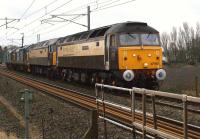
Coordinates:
150 39
129 39
139 39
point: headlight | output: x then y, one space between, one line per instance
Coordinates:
160 74
128 75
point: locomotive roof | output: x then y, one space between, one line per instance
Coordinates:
44 44
98 32
11 50
138 27
125 27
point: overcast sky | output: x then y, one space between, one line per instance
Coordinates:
160 14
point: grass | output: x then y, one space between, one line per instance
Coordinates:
181 79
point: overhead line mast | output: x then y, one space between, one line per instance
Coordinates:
8 21
60 16
88 17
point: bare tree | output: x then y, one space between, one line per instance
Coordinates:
183 44
173 44
164 42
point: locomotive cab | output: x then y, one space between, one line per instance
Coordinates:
139 51
137 48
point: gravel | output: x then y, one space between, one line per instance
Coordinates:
51 117
55 118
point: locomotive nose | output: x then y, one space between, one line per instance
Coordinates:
160 74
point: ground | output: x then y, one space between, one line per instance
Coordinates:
55 119
181 79
50 117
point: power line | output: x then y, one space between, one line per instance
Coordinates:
62 19
8 21
107 3
69 11
57 28
24 13
36 11
30 23
60 27
101 8
27 9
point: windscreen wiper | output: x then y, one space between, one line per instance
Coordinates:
131 36
149 35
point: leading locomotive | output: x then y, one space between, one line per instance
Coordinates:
122 54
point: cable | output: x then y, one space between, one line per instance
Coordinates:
36 11
27 9
75 9
60 27
57 28
80 7
113 6
69 11
107 3
99 6
41 17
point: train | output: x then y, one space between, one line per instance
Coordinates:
121 54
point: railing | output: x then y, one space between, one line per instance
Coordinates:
137 127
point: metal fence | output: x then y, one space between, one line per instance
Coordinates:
137 127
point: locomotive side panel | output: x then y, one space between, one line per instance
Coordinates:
20 56
39 56
88 55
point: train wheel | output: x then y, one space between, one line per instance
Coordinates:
83 77
92 79
69 76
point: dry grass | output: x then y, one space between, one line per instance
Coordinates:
181 79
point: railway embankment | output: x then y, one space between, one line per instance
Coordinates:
52 117
49 117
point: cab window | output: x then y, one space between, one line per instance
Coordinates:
150 39
129 39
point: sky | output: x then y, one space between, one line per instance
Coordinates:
160 14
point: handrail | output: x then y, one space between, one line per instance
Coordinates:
145 92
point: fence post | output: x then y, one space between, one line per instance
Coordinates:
104 113
94 124
154 112
184 99
92 132
26 97
144 113
132 93
97 97
196 85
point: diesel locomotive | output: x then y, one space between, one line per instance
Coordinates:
122 54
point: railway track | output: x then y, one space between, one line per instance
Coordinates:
164 125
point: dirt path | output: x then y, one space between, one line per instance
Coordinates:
18 116
12 110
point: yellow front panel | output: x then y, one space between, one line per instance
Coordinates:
54 58
137 57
